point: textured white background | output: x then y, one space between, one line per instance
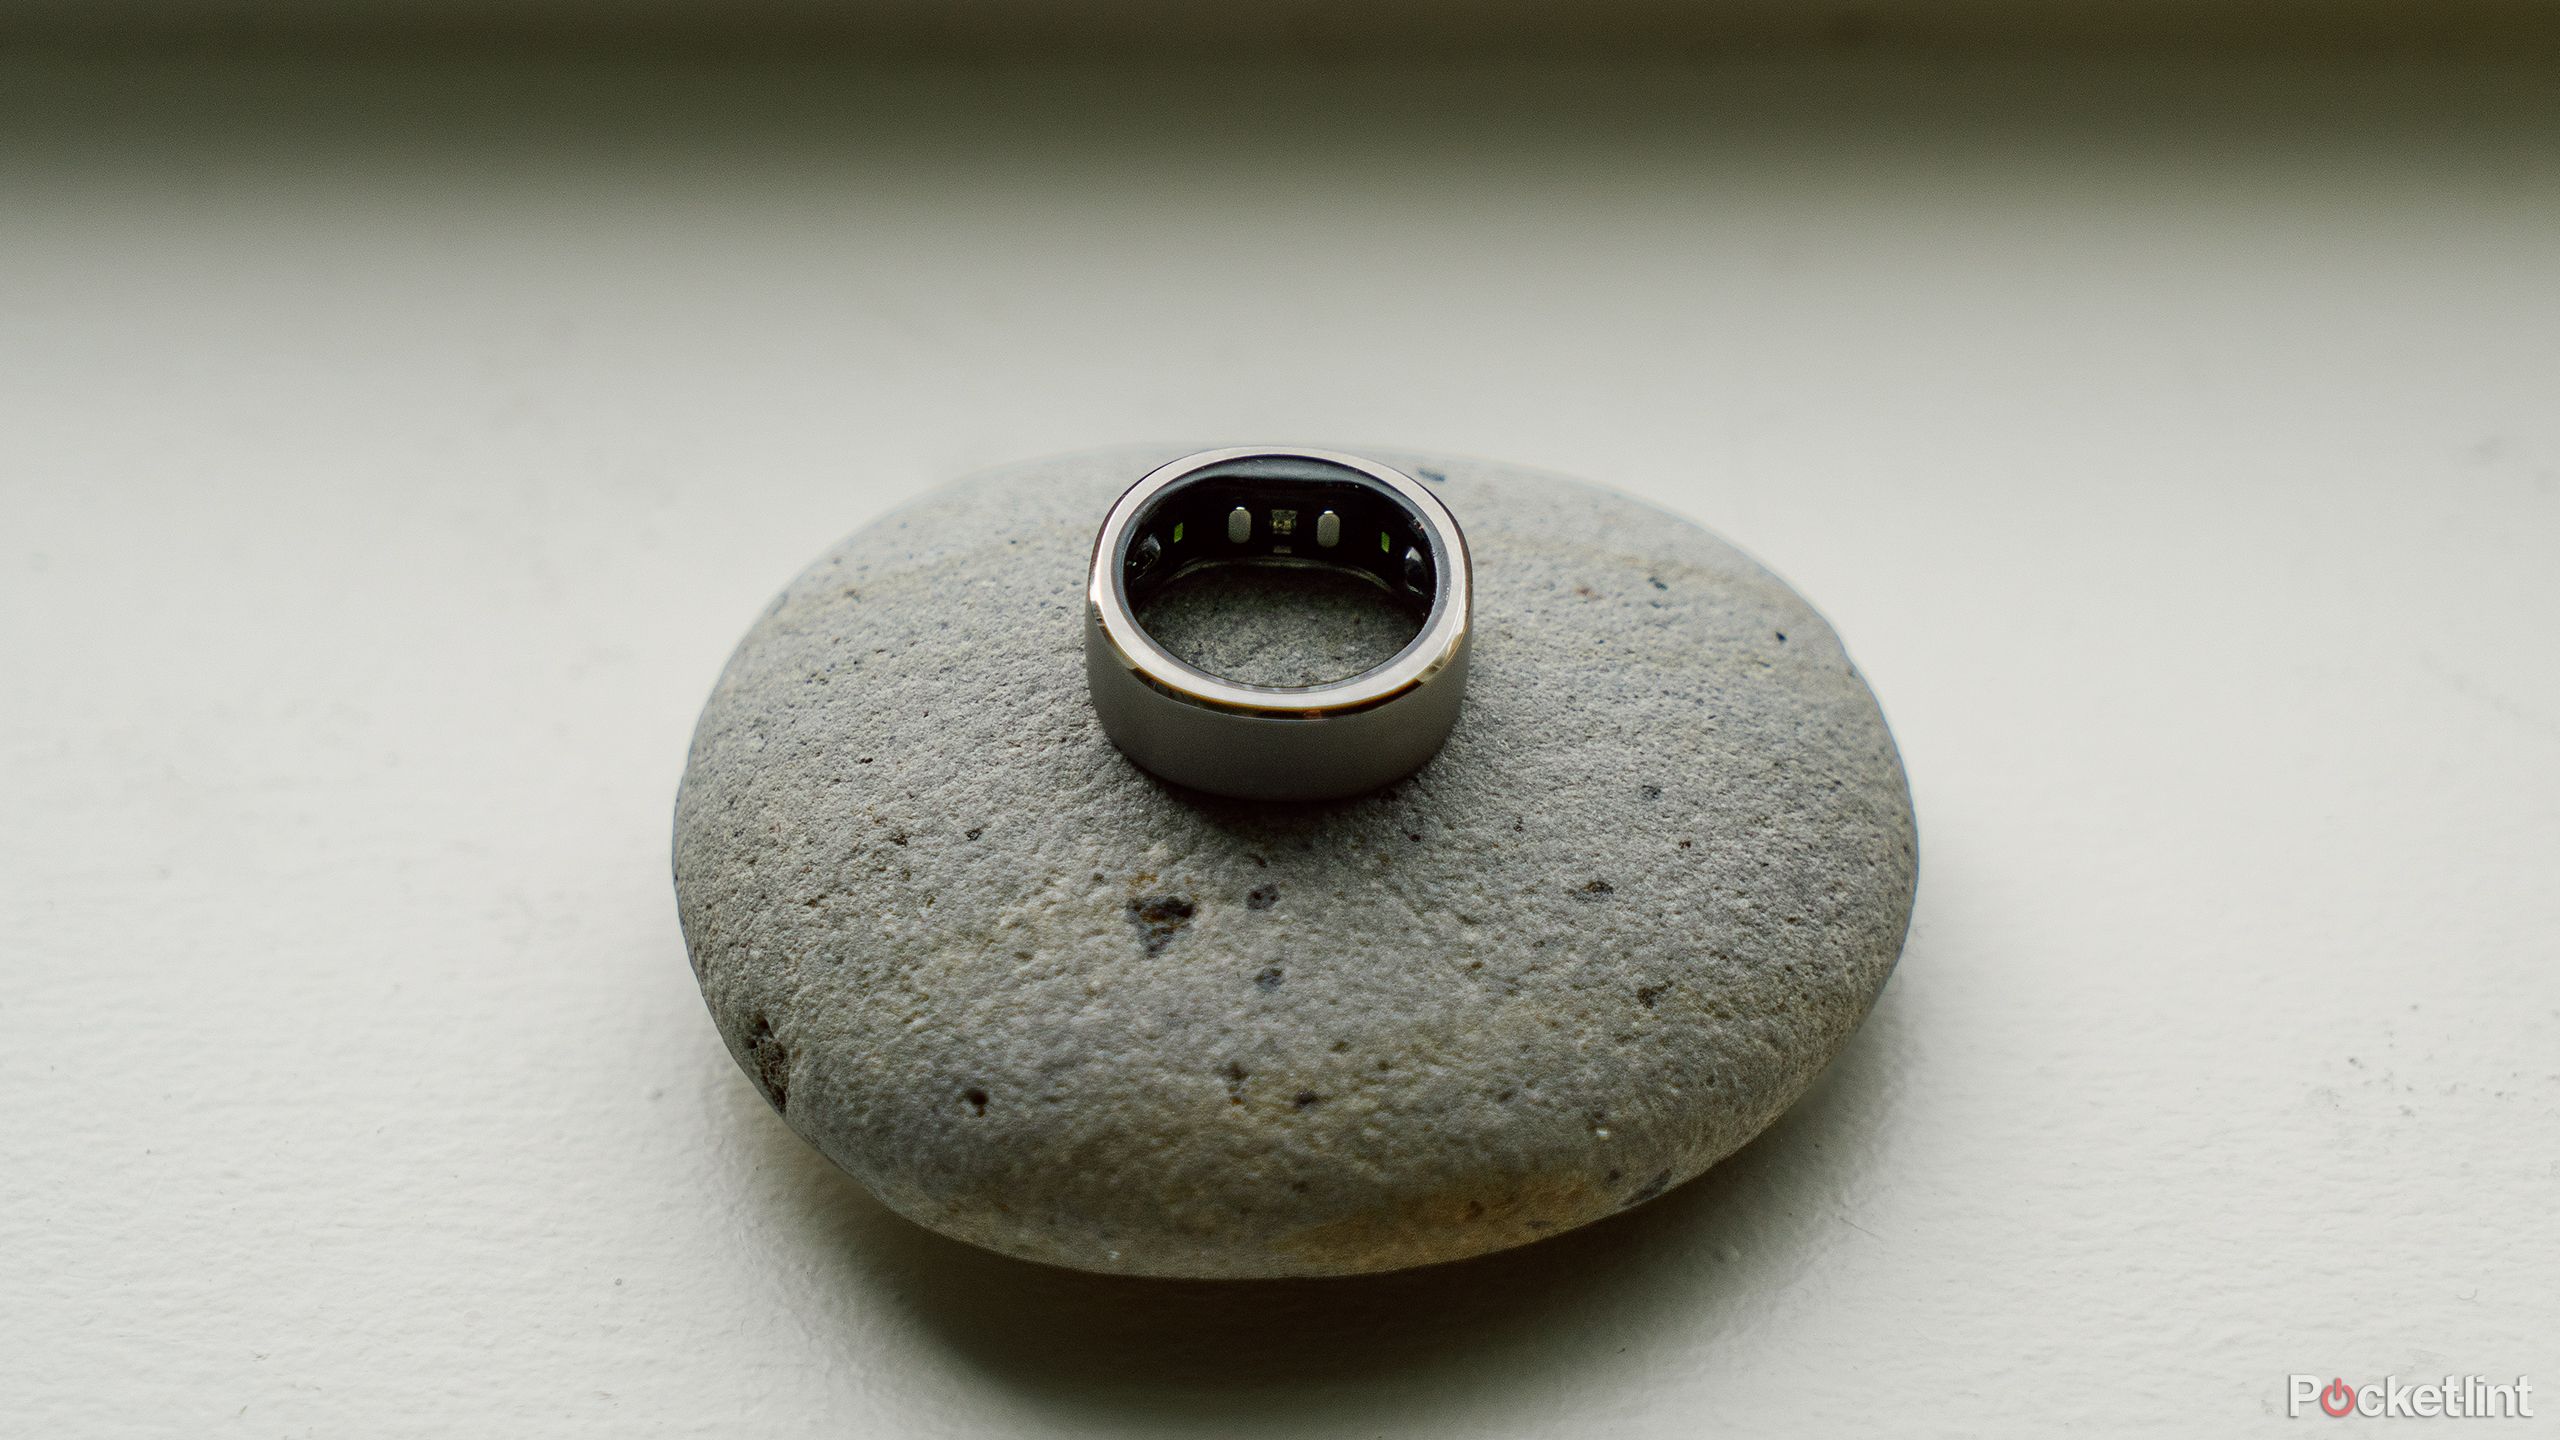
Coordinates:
388 457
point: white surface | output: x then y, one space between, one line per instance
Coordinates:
387 460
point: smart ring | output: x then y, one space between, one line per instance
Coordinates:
1278 507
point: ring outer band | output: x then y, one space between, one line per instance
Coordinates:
1260 742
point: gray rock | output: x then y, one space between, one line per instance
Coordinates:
1266 625
1036 999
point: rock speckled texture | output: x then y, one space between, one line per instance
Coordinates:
1038 1000
1266 625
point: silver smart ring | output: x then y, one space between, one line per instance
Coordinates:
1284 507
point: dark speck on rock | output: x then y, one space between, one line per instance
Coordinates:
772 1061
1782 636
977 1099
1269 979
1652 792
976 830
1159 918
1306 1098
1596 890
1656 582
1646 995
1263 897
1650 1188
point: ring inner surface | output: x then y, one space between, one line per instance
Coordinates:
1277 510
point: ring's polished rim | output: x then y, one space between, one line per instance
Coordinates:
1437 647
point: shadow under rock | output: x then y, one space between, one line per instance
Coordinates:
1124 1355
